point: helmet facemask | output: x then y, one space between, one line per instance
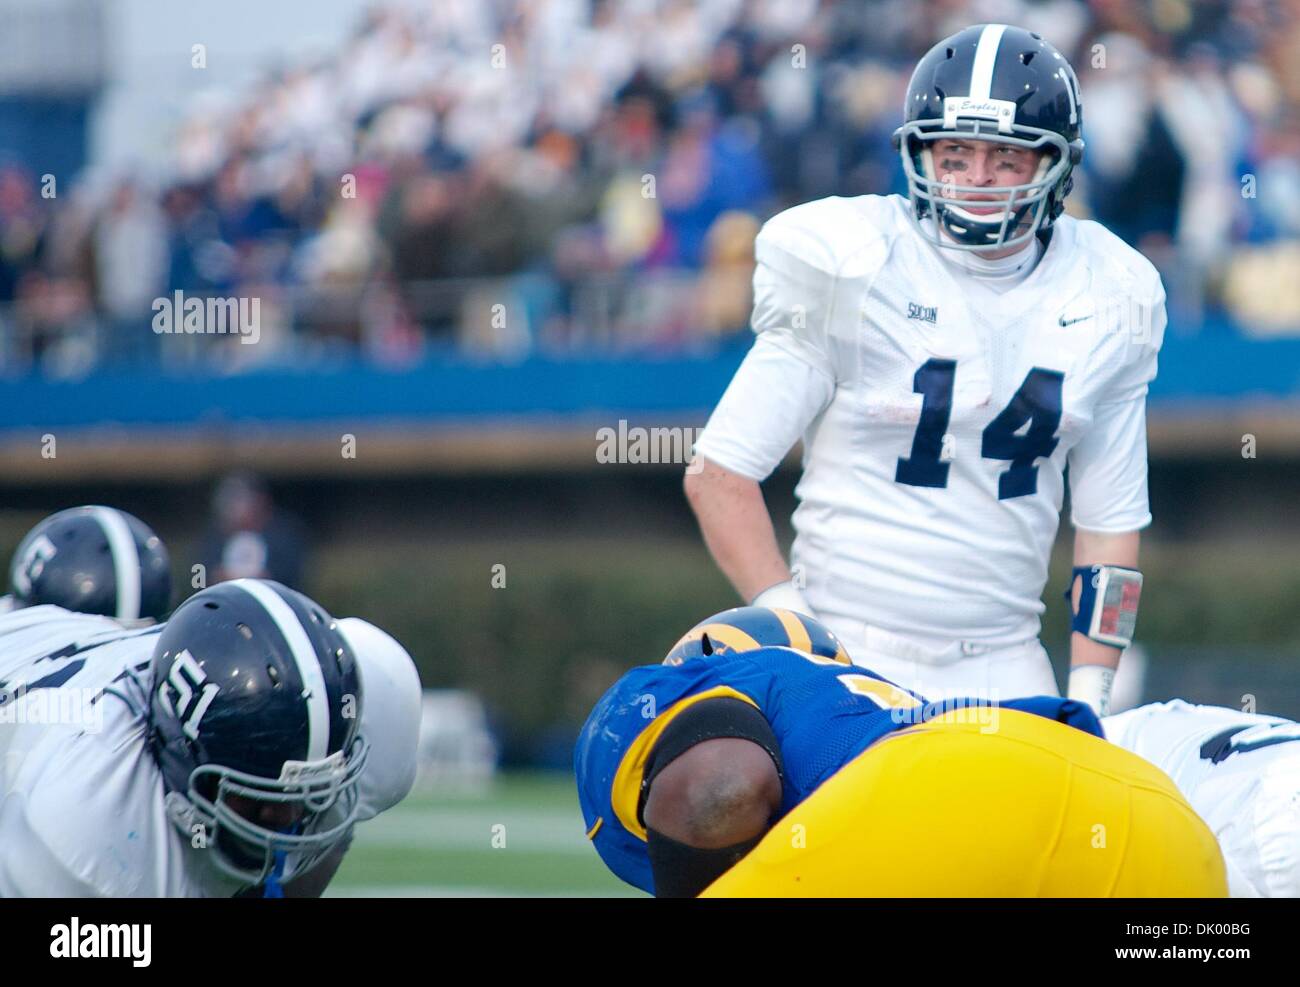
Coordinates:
326 790
1023 208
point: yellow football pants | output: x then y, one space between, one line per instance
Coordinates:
987 802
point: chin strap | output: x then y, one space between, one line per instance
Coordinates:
273 888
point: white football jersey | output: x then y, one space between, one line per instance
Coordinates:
81 797
938 420
1240 772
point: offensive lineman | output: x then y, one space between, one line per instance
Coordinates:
753 761
944 358
229 751
92 559
1240 772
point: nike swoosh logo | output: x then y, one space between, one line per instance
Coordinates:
1069 322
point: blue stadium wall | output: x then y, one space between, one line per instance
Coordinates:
1206 383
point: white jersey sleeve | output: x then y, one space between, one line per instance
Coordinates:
789 376
765 410
390 716
1108 467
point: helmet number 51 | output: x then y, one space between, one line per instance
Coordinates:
194 693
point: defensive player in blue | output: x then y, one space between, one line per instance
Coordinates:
768 706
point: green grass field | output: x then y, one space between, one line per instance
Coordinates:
522 836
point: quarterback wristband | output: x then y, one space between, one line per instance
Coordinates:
1108 603
1091 684
785 596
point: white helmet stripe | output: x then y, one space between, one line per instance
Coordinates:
1070 85
126 560
304 655
986 56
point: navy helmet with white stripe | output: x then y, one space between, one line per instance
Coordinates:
95 560
991 82
255 701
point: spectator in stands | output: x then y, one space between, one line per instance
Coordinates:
130 271
249 536
22 226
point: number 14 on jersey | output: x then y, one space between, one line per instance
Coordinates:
1037 403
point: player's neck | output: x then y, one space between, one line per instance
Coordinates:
1002 271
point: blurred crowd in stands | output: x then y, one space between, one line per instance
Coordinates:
562 176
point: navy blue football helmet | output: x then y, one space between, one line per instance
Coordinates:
750 628
991 82
93 560
255 701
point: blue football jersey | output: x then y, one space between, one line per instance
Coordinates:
823 713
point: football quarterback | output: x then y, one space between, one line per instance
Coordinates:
1241 773
92 560
229 751
945 356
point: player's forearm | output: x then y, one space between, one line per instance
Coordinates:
737 528
1092 548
